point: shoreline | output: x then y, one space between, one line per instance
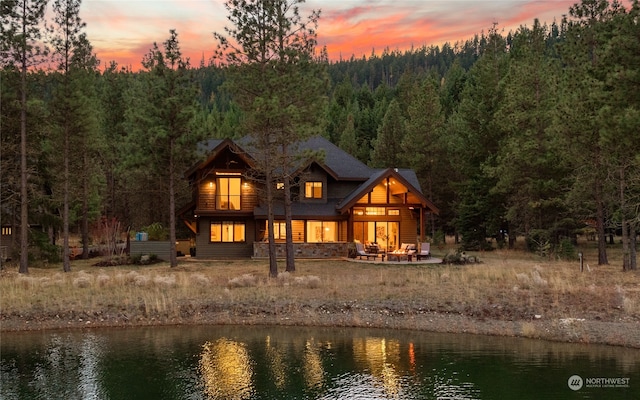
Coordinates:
567 330
508 295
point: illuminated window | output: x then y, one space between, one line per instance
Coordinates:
394 212
280 185
322 231
279 230
375 211
227 231
228 193
6 231
313 190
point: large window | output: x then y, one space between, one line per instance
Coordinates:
385 233
322 231
228 193
313 190
227 231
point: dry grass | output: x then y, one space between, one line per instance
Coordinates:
506 286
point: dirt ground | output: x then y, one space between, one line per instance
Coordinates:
502 296
354 314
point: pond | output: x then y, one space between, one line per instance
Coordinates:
264 362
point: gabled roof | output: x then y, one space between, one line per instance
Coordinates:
406 177
337 162
212 148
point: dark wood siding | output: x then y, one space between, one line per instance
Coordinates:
207 250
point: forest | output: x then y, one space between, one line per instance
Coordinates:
532 133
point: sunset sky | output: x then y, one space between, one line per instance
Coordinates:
124 30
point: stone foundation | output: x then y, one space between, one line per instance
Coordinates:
304 250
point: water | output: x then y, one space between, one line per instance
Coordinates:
226 362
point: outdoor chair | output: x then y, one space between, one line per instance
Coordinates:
425 251
360 252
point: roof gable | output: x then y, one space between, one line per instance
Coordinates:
406 178
215 148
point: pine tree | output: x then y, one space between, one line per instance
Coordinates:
279 87
530 169
74 109
348 141
473 139
387 146
160 115
421 148
579 119
21 47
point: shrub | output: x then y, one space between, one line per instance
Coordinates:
538 241
566 250
156 231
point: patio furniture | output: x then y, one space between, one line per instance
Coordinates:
360 252
406 251
425 251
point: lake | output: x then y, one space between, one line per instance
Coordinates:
265 362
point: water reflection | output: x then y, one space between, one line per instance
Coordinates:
282 363
313 370
226 370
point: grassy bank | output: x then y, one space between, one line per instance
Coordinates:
509 293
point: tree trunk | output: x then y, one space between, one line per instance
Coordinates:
625 226
66 263
85 207
290 254
602 239
173 257
24 200
273 261
633 243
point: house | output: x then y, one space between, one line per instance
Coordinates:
337 200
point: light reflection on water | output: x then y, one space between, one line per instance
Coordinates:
211 362
226 370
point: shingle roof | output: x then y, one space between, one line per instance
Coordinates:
340 163
316 210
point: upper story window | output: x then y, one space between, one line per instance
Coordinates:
313 190
6 231
228 193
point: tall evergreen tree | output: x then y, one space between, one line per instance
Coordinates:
21 46
160 114
279 86
387 146
473 139
579 120
420 146
530 170
621 136
113 85
348 141
74 110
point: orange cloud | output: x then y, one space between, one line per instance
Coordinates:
125 31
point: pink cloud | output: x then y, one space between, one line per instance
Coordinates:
125 31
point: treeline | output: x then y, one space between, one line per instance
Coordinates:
532 133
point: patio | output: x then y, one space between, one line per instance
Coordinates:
378 260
